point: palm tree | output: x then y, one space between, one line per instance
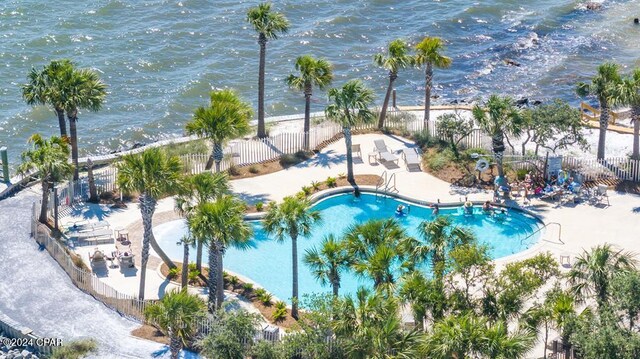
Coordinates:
176 315
197 190
423 295
227 117
220 224
268 24
429 54
186 241
292 217
501 118
603 87
498 343
45 88
554 312
395 59
350 107
377 249
151 174
328 262
82 89
49 159
628 93
313 72
593 272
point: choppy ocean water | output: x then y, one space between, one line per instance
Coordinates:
160 58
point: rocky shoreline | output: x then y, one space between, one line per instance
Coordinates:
13 352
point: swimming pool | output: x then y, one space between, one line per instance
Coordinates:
268 262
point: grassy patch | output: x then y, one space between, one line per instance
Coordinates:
186 148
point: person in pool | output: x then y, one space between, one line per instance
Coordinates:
400 210
468 207
486 207
436 209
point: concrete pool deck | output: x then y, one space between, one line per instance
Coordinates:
583 225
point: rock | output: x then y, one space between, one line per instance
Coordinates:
26 354
593 6
511 62
137 145
522 102
537 103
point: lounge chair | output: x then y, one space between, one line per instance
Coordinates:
93 234
97 259
411 157
384 152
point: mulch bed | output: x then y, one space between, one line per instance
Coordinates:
150 333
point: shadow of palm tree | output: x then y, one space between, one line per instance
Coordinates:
251 198
323 159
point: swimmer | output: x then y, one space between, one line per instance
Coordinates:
400 210
468 207
487 207
436 209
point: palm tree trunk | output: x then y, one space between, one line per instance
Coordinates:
156 247
147 208
210 161
219 278
604 124
93 191
213 282
73 131
307 116
428 79
294 258
336 286
263 52
218 154
175 345
346 130
199 256
61 122
45 201
387 96
635 117
499 156
185 266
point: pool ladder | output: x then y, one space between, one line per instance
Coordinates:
543 227
389 184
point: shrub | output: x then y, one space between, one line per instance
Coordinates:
331 182
173 273
288 160
193 274
342 175
247 287
301 155
259 291
259 206
521 173
438 161
280 313
254 169
234 170
265 298
75 350
315 185
233 280
192 267
306 190
263 349
423 139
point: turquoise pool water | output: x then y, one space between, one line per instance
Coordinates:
268 262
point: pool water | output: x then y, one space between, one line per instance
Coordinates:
268 262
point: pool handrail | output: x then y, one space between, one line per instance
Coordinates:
543 227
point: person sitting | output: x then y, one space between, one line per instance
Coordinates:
528 179
486 207
436 209
400 210
554 180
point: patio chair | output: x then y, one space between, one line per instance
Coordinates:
127 260
565 261
601 192
384 152
356 149
411 157
97 258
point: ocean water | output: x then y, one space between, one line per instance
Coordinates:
160 58
268 262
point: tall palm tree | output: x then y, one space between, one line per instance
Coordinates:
312 72
151 174
83 89
197 190
350 107
429 54
45 88
498 343
423 295
628 93
220 224
396 58
268 24
227 117
593 272
377 249
293 217
186 241
603 87
328 262
501 118
49 159
176 315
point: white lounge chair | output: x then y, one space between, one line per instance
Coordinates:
411 157
384 152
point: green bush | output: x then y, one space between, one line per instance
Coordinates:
259 291
280 313
264 349
288 160
315 185
259 206
331 182
521 173
173 273
254 169
233 280
425 140
187 148
342 175
233 170
247 287
306 190
266 298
